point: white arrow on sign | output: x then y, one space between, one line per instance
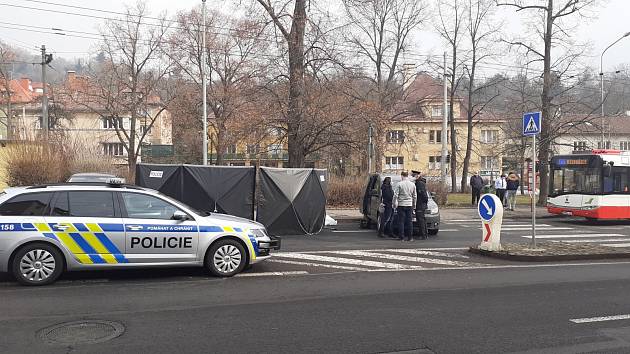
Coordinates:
488 209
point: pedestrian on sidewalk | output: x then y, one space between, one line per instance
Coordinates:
512 186
405 202
500 185
421 204
476 185
387 201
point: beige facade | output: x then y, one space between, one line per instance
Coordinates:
415 142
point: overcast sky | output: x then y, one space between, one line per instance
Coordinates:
611 22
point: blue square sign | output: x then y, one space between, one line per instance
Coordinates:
532 123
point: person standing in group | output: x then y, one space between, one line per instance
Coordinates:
421 204
500 185
387 200
476 185
512 186
405 202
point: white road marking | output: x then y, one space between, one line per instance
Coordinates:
576 236
311 264
618 244
537 228
318 258
266 274
449 230
353 231
599 240
422 252
407 258
600 319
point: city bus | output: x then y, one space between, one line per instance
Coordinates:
591 184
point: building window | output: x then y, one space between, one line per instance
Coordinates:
436 111
275 149
435 162
253 149
396 136
605 145
624 145
231 149
580 146
113 149
111 123
489 136
145 130
489 163
394 163
435 136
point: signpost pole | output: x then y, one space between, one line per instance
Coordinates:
534 191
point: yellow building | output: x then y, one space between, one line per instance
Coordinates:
414 141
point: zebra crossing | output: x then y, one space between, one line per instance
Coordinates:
618 237
378 260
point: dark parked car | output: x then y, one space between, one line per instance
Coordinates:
372 210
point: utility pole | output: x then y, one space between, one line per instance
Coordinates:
444 128
46 59
203 85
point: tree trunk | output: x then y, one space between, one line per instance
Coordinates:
544 142
451 120
296 85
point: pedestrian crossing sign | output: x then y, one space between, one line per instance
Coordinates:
531 123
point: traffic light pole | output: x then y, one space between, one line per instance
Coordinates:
45 124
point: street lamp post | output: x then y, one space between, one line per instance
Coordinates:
203 84
601 76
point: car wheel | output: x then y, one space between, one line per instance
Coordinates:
226 258
37 264
365 223
433 232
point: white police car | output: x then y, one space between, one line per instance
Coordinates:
45 230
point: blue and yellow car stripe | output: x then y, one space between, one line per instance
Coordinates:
89 243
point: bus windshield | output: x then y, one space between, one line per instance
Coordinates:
576 179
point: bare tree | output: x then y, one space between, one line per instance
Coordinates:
480 31
292 31
131 85
232 67
553 32
6 57
381 31
451 17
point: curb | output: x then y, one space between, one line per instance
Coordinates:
552 258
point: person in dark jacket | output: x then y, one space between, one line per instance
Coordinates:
387 200
476 185
421 205
512 186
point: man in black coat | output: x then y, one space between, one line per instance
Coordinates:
421 205
476 185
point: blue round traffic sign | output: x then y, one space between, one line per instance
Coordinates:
487 207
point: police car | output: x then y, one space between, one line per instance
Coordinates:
48 229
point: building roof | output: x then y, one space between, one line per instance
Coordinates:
21 90
592 124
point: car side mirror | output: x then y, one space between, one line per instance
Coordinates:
180 215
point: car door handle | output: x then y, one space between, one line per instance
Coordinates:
61 227
134 227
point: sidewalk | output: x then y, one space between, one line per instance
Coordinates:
523 213
554 252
